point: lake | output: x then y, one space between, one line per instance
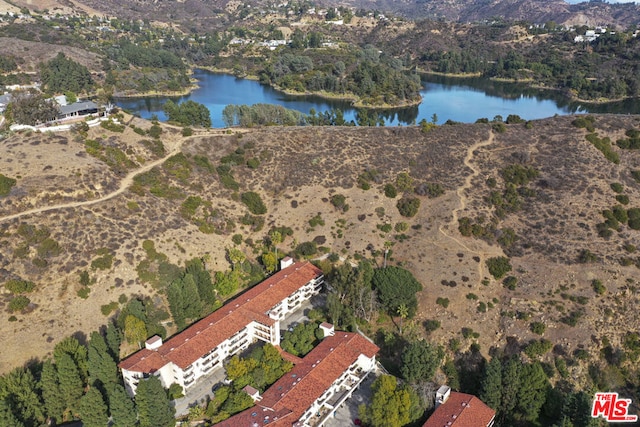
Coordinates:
461 100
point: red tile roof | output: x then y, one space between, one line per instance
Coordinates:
289 397
203 336
461 410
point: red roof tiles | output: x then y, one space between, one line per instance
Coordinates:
289 397
203 336
461 410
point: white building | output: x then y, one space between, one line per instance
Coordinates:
203 346
317 385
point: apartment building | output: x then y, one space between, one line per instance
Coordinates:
317 385
254 315
454 409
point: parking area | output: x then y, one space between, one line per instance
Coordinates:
346 414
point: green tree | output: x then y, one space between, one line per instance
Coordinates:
302 339
50 388
18 389
402 312
226 283
122 408
135 330
511 377
420 361
391 406
61 74
102 368
533 392
71 385
276 238
188 113
7 417
396 286
92 409
196 267
236 257
269 261
176 303
113 338
31 109
154 407
191 298
253 201
491 393
77 351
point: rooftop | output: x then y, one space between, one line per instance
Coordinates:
461 410
77 107
289 397
203 336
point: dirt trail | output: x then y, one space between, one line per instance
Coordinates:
124 185
476 247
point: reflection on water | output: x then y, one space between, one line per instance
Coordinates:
461 100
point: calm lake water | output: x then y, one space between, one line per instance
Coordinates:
460 100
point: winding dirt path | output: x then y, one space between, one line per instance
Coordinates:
124 185
479 248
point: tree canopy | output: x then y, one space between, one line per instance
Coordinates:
188 113
396 286
62 74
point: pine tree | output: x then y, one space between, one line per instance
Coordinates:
7 417
113 338
49 385
19 389
71 385
511 375
92 409
135 330
102 368
122 408
492 384
154 408
533 391
77 351
176 303
192 302
196 268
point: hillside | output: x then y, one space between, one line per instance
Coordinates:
90 213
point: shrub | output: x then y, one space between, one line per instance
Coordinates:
18 303
617 187
253 201
408 206
431 325
598 287
472 296
519 175
187 131
482 307
19 286
339 202
586 256
432 190
444 302
5 185
390 191
253 163
307 248
537 327
102 263
498 266
537 348
510 283
84 293
107 309
622 199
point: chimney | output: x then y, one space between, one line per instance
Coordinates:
442 395
327 329
153 343
286 262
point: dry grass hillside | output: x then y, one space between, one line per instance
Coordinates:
105 205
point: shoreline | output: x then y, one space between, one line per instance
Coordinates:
530 83
355 101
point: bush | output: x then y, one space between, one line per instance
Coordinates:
482 307
498 266
598 287
307 248
622 199
537 348
537 328
510 283
253 163
253 201
408 206
18 303
107 309
19 286
187 131
339 202
5 185
84 293
390 191
431 325
617 187
444 302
